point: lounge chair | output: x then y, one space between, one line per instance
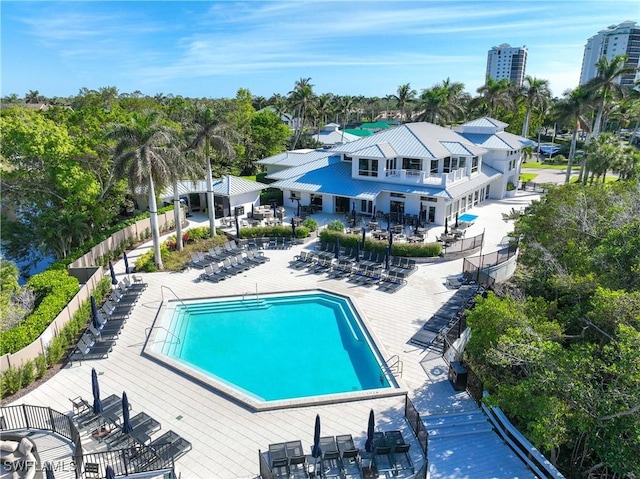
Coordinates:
382 454
166 449
400 452
278 460
256 257
331 465
142 426
297 459
391 283
350 455
197 261
272 242
107 334
116 310
301 260
90 419
138 285
287 242
119 298
89 349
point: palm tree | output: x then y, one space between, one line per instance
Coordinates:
32 97
404 95
572 111
602 153
324 107
536 95
211 135
144 155
494 94
605 84
301 98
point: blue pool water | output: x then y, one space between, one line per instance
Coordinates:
467 217
275 347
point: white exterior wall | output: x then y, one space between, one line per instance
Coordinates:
502 63
246 200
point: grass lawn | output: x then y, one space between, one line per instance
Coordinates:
526 177
548 166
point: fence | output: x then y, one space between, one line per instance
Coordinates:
138 460
463 247
265 470
474 268
415 421
535 187
43 418
89 274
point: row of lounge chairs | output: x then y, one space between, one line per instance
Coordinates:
359 273
231 266
339 458
97 341
215 255
272 242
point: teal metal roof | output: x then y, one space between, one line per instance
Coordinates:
357 132
336 180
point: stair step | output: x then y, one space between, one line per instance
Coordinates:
457 420
459 430
469 412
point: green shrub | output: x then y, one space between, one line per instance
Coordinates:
27 372
11 381
53 289
336 225
199 233
302 232
311 224
277 231
41 365
414 250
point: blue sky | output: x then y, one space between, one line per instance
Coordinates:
211 49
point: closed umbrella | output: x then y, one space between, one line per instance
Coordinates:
387 255
337 248
126 263
421 213
48 471
357 252
95 387
238 234
293 229
298 212
114 280
364 236
316 451
126 421
252 209
446 226
353 213
373 213
368 446
109 473
94 313
456 226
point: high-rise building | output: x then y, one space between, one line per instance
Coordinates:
623 39
508 62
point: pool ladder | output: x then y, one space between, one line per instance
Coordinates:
395 365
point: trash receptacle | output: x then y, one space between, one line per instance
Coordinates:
458 375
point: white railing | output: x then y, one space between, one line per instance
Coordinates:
423 177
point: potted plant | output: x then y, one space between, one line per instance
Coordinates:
511 190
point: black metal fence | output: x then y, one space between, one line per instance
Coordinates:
132 460
46 419
463 246
472 268
415 421
535 187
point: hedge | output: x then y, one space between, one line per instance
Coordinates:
53 289
412 250
277 231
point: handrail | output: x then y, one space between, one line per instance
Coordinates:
150 328
162 287
398 365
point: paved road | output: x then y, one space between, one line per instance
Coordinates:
549 175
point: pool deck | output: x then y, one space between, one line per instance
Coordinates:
226 436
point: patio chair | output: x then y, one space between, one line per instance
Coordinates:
288 244
92 419
240 263
109 323
103 335
297 459
138 285
331 465
382 454
350 456
120 298
400 452
272 242
113 310
256 257
278 460
88 349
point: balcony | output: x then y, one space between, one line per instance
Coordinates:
419 177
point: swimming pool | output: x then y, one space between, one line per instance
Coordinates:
273 350
467 217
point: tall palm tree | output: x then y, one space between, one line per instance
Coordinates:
212 136
324 107
144 155
605 84
494 94
536 95
301 98
404 95
572 111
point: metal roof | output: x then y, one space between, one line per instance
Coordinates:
226 186
497 141
296 157
381 150
486 122
336 180
302 169
414 140
457 148
334 137
276 159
